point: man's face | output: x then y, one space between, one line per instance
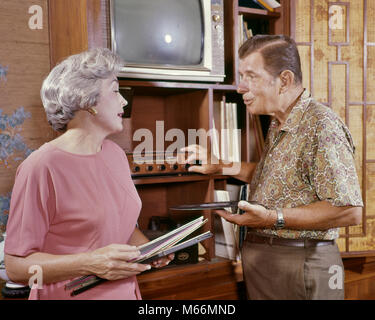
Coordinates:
259 89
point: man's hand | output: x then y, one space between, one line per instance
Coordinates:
255 216
210 164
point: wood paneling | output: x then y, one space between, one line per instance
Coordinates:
370 182
336 94
302 22
208 280
356 129
305 55
371 21
24 52
360 277
370 122
340 75
353 53
68 32
371 75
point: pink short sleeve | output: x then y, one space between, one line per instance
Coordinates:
31 209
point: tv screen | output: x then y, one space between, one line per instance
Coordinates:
159 32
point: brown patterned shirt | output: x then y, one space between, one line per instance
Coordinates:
310 159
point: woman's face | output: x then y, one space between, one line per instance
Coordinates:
110 106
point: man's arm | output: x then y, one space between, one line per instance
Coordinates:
211 165
320 215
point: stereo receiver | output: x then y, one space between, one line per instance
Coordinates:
158 164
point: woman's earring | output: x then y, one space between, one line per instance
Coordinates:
93 111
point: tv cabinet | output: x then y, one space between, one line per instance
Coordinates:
76 26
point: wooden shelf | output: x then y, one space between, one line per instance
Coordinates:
153 87
357 254
175 179
207 280
258 13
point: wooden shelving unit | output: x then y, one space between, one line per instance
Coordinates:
258 13
175 179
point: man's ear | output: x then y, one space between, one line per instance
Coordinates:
286 81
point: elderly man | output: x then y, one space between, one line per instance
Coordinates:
305 182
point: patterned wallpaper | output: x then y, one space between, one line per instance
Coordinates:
24 63
336 41
13 149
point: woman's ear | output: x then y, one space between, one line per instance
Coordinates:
286 81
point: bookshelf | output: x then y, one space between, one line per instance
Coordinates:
183 105
258 13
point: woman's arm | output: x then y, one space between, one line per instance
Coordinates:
137 238
110 262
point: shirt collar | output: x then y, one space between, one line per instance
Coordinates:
293 120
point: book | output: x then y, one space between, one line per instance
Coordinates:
223 133
236 135
177 247
249 4
161 246
248 33
229 132
244 195
269 5
152 250
240 30
225 233
215 140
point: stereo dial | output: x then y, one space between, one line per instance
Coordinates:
216 17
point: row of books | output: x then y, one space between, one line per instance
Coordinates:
229 237
269 5
244 32
155 249
226 140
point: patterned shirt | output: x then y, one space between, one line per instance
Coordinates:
310 159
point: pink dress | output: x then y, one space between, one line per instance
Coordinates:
63 203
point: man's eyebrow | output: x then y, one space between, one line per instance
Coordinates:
115 80
250 72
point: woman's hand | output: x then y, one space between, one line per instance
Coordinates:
210 164
113 262
162 262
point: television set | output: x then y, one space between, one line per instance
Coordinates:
180 40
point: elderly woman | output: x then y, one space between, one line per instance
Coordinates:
74 206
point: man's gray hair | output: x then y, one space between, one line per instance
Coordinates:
74 84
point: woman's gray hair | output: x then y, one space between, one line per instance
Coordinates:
74 84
